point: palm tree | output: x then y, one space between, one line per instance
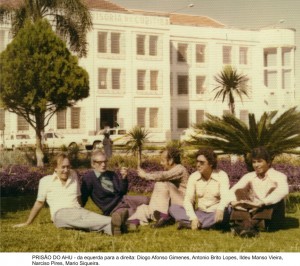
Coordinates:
137 138
71 19
230 82
230 135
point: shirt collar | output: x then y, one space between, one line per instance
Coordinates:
213 176
56 178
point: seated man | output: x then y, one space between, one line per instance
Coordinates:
169 189
107 190
258 197
210 187
62 192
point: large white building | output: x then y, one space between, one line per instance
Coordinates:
157 70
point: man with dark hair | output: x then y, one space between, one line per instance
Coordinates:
258 197
169 188
210 187
62 192
108 191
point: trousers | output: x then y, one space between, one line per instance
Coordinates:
207 219
82 219
164 194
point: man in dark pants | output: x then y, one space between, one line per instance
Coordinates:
108 191
258 197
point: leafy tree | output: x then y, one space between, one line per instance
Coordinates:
71 18
230 135
230 82
39 77
138 136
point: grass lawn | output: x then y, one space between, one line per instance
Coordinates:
43 236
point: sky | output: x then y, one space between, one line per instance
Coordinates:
250 14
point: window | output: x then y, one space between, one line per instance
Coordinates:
199 116
2 43
182 81
2 119
115 78
153 80
182 52
271 79
153 45
226 112
270 57
286 56
182 118
102 78
286 79
153 118
61 121
141 117
75 117
102 42
243 55
171 53
226 54
115 43
200 53
200 84
244 116
22 124
171 83
141 79
140 43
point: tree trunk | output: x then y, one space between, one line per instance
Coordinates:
39 150
139 156
39 118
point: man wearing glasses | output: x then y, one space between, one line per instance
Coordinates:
108 191
210 186
62 193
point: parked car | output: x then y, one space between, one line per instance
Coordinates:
54 139
187 134
117 135
18 141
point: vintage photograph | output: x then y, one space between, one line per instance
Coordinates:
130 126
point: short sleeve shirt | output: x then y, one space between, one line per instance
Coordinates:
57 194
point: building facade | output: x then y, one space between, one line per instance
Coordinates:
157 71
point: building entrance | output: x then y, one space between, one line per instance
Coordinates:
108 117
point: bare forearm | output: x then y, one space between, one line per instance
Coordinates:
38 205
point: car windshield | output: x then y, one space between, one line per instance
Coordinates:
22 137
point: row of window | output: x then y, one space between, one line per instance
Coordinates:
148 80
111 43
146 117
61 119
148 45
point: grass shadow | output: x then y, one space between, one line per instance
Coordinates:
289 223
15 204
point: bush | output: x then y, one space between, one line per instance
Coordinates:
20 180
23 179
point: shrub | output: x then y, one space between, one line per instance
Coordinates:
20 180
23 179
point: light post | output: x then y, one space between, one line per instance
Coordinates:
176 10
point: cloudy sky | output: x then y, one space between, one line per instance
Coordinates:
251 14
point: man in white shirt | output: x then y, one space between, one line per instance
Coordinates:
62 192
210 186
258 197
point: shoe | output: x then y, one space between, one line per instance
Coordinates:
118 222
162 220
184 225
132 227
